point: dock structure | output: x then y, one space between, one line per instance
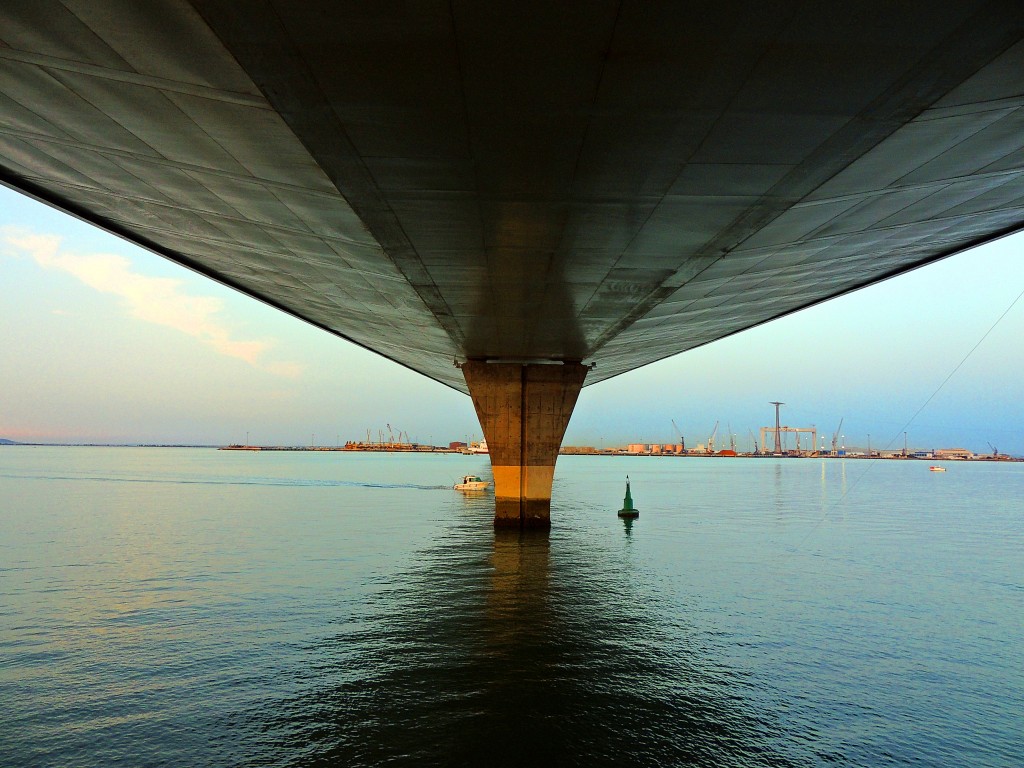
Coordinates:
778 431
526 188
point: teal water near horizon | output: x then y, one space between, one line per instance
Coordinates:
167 607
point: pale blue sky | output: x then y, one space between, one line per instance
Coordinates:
105 342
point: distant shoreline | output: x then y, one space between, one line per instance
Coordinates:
13 444
571 451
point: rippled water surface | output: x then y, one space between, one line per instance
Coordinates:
189 607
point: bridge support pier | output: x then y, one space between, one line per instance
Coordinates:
523 411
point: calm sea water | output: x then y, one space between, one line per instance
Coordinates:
187 607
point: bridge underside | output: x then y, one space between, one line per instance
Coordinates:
601 183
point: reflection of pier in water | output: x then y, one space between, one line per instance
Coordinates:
494 647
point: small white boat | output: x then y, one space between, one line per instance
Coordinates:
471 483
937 469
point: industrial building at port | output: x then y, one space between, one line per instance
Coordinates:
645 449
778 435
773 442
677 449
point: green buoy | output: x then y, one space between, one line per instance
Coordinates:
627 504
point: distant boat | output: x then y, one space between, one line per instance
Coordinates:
937 469
471 483
480 447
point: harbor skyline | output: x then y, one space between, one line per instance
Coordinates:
108 343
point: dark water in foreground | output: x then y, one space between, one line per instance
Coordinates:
188 607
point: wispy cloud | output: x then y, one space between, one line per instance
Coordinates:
158 300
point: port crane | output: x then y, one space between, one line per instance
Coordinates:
401 438
995 451
835 438
682 440
711 440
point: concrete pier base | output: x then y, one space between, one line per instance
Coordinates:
523 411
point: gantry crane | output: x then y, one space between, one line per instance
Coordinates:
682 440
